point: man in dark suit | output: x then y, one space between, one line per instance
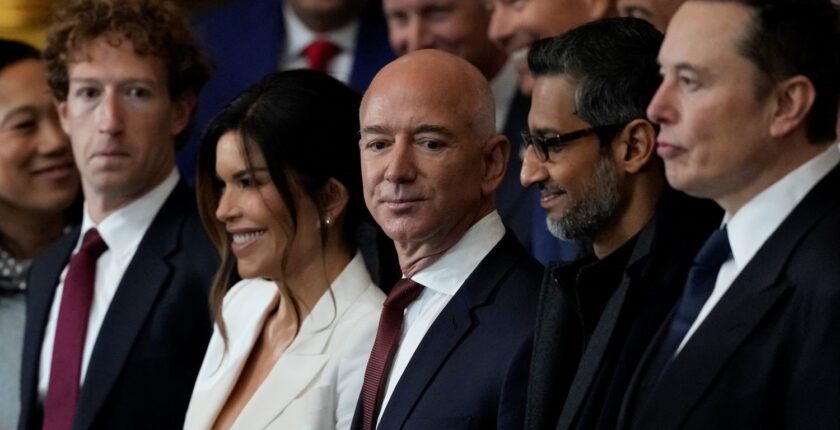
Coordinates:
747 109
117 311
431 162
247 39
592 152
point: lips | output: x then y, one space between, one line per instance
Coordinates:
668 150
56 171
549 194
241 239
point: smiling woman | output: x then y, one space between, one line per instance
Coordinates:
280 194
38 182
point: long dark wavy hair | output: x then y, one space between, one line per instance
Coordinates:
306 126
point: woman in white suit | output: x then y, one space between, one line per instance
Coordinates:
279 191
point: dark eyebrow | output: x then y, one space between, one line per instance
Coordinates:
375 129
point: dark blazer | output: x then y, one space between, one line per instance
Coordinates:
245 39
152 341
457 377
768 355
577 380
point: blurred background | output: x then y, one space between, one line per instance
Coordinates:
27 19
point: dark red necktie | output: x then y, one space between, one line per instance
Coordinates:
387 339
66 367
319 54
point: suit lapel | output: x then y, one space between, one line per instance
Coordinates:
447 332
742 308
145 277
42 282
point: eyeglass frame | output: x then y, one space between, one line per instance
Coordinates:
542 147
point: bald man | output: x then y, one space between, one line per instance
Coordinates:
431 163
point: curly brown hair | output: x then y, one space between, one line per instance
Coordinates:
154 27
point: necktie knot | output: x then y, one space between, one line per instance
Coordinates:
403 293
92 244
319 54
715 251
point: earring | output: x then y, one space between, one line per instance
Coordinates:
327 220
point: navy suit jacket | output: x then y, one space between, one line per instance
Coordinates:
152 341
458 376
768 355
245 39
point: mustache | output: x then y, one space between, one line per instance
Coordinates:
548 188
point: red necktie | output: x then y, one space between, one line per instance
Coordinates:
319 54
387 337
65 370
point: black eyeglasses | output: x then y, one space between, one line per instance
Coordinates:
544 145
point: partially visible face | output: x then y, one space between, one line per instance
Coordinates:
657 12
515 24
579 184
455 26
326 15
422 165
37 174
714 125
121 120
255 216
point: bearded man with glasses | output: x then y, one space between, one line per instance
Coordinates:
592 153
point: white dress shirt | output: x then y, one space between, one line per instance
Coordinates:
756 221
122 231
299 36
442 279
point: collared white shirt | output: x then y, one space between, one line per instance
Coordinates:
753 224
122 231
442 279
298 37
504 85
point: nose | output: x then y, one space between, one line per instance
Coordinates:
500 28
662 109
533 170
414 35
53 140
227 208
401 164
110 113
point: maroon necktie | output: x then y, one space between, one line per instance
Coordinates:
319 54
387 337
66 367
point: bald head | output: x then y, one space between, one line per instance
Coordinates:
449 81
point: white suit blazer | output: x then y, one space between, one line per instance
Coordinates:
316 382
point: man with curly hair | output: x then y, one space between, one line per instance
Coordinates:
117 315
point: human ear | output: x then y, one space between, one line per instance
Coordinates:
635 146
495 153
61 107
794 99
333 198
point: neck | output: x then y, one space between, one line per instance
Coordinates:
788 158
644 192
417 255
102 203
24 234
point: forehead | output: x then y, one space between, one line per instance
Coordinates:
404 104
22 82
114 58
552 102
705 33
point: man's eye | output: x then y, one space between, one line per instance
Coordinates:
431 144
376 145
688 82
87 92
139 92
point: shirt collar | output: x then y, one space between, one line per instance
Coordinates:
448 273
124 228
299 36
753 224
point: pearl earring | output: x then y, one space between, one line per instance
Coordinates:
327 220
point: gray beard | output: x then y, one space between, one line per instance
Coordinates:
584 218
